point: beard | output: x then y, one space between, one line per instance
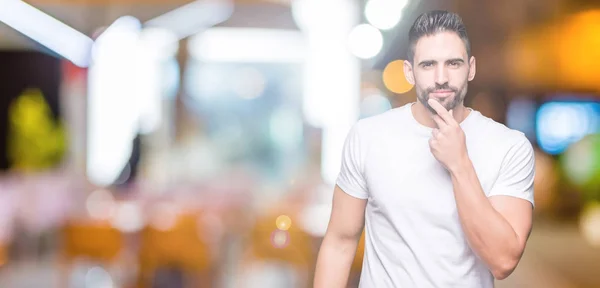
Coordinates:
449 102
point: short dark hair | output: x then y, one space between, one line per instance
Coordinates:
433 22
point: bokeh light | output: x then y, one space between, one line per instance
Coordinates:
559 124
365 41
97 277
581 163
394 79
578 50
128 217
100 204
283 222
280 239
384 14
589 223
164 216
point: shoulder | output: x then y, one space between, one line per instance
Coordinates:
499 135
380 124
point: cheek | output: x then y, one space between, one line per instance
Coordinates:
423 79
460 79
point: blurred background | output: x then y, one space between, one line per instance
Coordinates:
177 143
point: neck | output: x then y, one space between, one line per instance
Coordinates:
425 117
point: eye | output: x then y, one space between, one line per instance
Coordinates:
454 64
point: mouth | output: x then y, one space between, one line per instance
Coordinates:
441 93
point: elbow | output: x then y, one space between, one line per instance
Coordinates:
507 263
504 269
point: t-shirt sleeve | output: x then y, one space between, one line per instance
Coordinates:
517 172
351 177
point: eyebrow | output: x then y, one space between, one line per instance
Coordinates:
447 61
455 60
427 62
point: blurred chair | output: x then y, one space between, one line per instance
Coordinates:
3 254
178 248
95 240
90 240
293 248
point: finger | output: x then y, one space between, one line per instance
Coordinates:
435 132
438 120
446 116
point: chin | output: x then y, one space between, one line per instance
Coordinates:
447 102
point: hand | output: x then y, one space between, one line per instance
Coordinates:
448 142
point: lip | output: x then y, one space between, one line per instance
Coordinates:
441 94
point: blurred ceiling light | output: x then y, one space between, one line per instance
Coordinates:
319 14
394 79
46 30
158 43
365 41
121 28
155 48
113 107
331 74
194 17
247 45
384 14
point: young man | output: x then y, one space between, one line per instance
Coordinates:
445 194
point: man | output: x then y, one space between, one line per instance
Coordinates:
445 194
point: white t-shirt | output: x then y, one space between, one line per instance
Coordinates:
413 234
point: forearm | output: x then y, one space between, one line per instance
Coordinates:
490 235
334 262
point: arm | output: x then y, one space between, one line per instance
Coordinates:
496 228
341 240
497 225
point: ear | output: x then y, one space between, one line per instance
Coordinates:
472 68
408 72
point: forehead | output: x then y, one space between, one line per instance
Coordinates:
440 46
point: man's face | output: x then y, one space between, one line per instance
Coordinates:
441 69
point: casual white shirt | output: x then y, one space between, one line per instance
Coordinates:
413 234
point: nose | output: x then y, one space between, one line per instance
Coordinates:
441 75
